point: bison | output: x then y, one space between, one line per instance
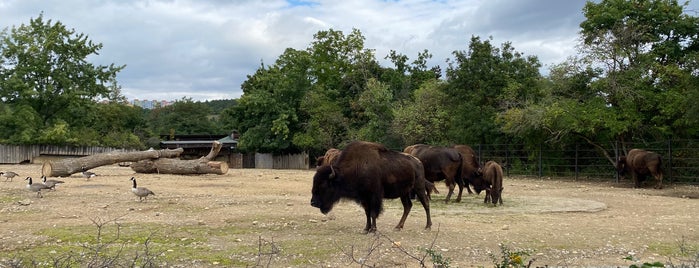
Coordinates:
640 163
440 163
492 175
366 173
471 172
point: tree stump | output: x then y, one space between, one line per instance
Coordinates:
70 166
203 165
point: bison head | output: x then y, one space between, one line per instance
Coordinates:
621 166
324 192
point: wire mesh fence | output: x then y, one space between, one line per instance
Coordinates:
583 161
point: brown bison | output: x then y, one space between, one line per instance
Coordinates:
640 163
492 175
471 172
440 163
367 173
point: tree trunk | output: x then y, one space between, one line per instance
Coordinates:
203 165
67 167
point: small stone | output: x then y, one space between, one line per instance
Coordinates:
313 221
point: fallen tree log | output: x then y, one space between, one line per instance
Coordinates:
70 166
203 165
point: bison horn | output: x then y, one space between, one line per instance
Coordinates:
332 173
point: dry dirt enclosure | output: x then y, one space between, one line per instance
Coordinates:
221 221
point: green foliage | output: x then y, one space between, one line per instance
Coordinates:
50 91
483 81
183 117
437 259
422 119
509 258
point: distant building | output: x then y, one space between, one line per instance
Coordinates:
151 104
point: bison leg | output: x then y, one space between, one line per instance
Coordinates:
451 191
370 226
461 189
407 205
425 201
636 180
658 178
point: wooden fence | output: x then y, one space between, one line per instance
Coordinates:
17 154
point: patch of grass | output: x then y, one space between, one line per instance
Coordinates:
167 244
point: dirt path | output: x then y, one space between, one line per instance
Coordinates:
561 223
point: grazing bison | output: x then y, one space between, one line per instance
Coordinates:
640 163
471 172
367 173
492 175
330 156
440 163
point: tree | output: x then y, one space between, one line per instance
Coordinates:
484 81
376 106
423 119
268 114
634 81
45 72
182 117
648 51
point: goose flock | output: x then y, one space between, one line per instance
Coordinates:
50 184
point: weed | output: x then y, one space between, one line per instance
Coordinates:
509 258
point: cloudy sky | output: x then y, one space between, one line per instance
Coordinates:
204 49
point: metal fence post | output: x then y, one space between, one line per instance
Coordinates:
669 158
541 168
576 161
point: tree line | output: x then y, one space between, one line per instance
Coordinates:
634 78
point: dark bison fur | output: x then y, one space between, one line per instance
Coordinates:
641 163
441 164
492 175
367 173
471 170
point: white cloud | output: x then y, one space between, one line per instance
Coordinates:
206 49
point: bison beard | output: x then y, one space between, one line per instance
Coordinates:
640 163
367 173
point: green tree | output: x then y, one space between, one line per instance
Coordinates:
268 114
183 117
648 49
45 73
422 119
375 104
634 80
484 81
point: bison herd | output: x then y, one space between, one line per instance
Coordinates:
368 172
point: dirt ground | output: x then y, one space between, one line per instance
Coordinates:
558 222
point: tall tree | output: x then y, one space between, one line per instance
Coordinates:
268 115
423 118
486 80
648 51
45 68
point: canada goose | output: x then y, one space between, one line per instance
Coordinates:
88 174
8 175
141 192
36 187
51 183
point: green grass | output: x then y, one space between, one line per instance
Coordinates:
165 243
